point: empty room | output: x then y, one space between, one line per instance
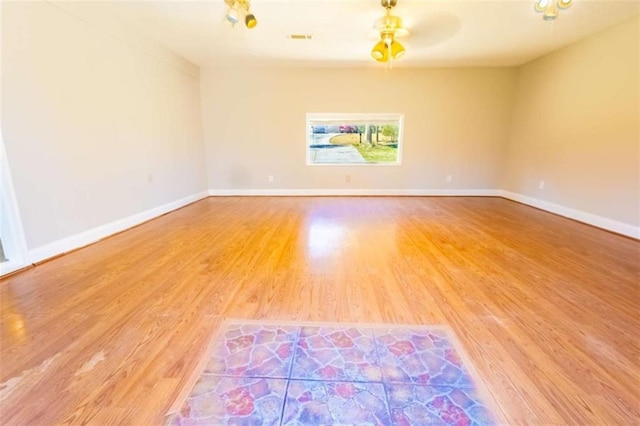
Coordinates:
320 212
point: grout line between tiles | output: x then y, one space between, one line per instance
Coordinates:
295 350
384 385
284 402
293 359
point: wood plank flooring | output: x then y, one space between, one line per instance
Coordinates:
546 308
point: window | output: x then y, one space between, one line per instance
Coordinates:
2 258
354 139
13 251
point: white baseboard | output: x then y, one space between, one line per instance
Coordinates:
92 235
355 192
580 216
9 267
80 240
588 218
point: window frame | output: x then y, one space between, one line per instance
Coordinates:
334 116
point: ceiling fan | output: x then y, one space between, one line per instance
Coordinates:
390 28
239 8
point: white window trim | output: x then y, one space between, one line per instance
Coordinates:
330 116
11 231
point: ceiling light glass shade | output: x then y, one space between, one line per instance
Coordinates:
250 21
549 8
541 5
232 16
551 12
397 50
380 52
390 23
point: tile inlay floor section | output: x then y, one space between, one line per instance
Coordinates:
331 374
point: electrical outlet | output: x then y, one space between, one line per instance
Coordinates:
347 178
541 184
270 178
449 178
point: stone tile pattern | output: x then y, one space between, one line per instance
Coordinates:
261 374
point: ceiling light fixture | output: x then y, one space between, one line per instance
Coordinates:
390 28
550 8
239 8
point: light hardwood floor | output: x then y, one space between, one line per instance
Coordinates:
546 308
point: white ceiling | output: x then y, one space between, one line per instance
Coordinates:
443 32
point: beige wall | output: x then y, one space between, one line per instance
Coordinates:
97 127
576 126
99 124
455 124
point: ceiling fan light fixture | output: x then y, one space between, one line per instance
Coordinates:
232 16
391 23
563 4
380 52
250 21
238 8
389 27
550 8
388 23
397 50
541 5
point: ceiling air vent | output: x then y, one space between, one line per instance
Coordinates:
300 36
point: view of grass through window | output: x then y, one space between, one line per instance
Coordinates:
354 138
